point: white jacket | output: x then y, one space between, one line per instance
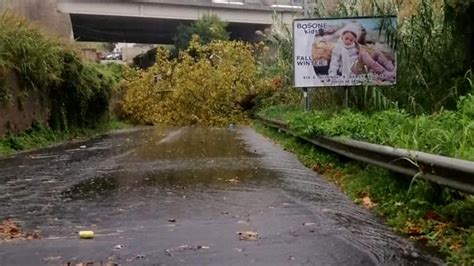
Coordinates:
342 59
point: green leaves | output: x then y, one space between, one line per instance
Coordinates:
30 53
446 133
211 84
208 28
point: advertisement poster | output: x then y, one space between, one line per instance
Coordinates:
344 52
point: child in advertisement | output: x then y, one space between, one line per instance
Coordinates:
350 58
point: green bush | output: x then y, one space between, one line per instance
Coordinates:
82 100
79 91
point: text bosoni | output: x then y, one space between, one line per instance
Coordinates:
311 27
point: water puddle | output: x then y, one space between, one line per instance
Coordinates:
130 183
189 142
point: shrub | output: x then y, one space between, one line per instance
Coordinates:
82 99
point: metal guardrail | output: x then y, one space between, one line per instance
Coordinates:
445 171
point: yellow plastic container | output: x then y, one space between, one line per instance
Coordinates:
86 234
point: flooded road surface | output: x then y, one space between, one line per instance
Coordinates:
168 196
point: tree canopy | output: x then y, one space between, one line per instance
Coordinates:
208 28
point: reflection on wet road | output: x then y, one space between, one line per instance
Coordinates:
179 196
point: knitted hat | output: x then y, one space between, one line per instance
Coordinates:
352 28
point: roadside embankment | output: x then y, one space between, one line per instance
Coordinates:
46 85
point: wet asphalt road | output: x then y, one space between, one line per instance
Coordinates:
167 196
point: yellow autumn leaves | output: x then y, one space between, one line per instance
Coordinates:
209 84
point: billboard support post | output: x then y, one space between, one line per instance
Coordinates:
346 97
306 99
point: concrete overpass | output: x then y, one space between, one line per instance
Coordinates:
155 21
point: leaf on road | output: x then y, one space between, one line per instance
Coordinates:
91 263
170 251
9 229
308 224
248 235
367 203
49 259
233 180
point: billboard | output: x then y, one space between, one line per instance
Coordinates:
343 52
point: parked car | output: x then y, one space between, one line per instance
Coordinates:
114 56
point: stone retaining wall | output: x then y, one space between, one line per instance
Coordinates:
22 107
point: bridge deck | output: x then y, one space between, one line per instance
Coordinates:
156 21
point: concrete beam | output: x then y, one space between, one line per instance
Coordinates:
155 21
166 9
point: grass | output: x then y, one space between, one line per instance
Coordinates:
36 57
448 133
429 214
39 137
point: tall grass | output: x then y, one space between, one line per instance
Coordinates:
79 91
430 72
276 64
28 52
